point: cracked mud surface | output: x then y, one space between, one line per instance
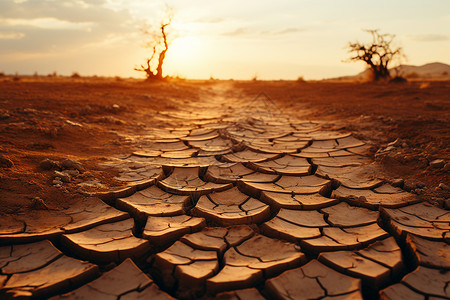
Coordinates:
233 200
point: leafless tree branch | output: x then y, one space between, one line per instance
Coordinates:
159 44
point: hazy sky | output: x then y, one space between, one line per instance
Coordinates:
280 39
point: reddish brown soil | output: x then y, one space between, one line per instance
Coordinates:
89 119
35 123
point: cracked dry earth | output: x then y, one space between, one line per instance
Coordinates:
236 200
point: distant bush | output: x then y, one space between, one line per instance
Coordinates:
255 77
75 75
398 79
301 79
2 74
177 77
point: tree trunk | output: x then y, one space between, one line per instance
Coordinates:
159 71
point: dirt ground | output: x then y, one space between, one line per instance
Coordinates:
91 119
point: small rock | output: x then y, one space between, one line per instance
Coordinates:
5 162
74 123
410 185
443 186
420 185
72 165
71 173
64 177
398 182
404 145
91 184
31 111
48 164
57 181
38 203
437 163
446 168
4 116
395 143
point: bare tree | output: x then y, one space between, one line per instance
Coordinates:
376 54
159 44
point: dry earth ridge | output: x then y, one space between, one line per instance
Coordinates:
236 202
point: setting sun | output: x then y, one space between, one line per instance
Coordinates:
184 53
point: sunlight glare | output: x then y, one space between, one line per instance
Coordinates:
184 48
184 52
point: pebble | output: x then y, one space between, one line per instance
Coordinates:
398 182
91 184
48 164
4 116
395 143
420 184
57 181
38 203
71 173
446 168
64 177
72 165
437 163
408 185
443 186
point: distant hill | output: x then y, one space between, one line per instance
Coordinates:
434 70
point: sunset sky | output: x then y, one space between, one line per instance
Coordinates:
239 39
